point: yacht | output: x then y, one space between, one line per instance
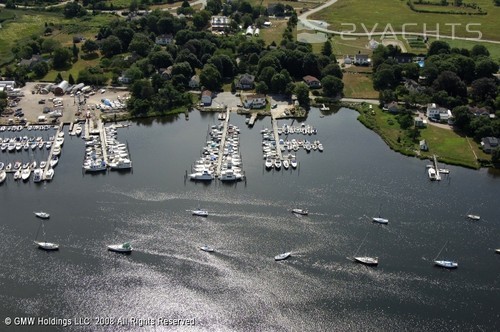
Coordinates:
42 215
37 175
95 166
303 212
370 261
269 163
230 176
207 248
286 164
204 175
123 248
446 264
53 162
56 150
25 174
49 174
200 213
47 245
277 164
120 164
432 174
282 256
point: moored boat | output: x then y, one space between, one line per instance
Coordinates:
122 248
282 256
303 212
47 245
3 176
42 215
49 174
370 261
207 248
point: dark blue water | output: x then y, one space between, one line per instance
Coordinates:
240 287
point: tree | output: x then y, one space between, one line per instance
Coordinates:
261 87
210 78
133 6
140 44
384 79
486 67
214 6
462 118
73 9
89 46
75 50
449 81
61 58
332 69
111 46
59 78
332 86
161 59
495 154
302 93
266 75
71 80
327 48
41 69
438 47
49 45
386 96
483 89
201 19
479 50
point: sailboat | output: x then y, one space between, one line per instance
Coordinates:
472 216
44 245
207 248
123 248
366 260
445 263
379 219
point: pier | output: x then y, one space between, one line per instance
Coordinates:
222 144
104 141
438 176
279 156
253 118
47 166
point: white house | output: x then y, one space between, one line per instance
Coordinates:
438 113
194 82
164 39
206 97
220 23
255 101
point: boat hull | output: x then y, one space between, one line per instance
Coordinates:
282 256
446 264
47 246
119 248
370 261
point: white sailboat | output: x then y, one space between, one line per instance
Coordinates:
447 264
44 245
282 256
366 260
200 213
207 248
379 219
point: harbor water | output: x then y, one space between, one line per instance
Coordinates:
240 287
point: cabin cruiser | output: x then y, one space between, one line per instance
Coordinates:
95 166
371 261
42 215
37 175
446 264
230 175
49 174
432 173
303 212
25 174
120 164
123 248
204 175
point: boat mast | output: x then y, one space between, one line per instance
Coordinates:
361 244
439 253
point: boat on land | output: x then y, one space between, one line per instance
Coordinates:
366 260
207 248
282 256
447 264
42 215
200 213
122 248
303 212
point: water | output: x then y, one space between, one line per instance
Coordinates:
240 287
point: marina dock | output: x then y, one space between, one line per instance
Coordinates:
47 166
253 118
279 156
222 144
438 176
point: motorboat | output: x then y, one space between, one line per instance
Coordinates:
380 220
446 264
17 174
120 164
320 147
370 261
37 175
269 163
95 166
2 165
43 163
230 176
286 164
42 215
432 173
277 164
49 174
303 212
56 150
47 245
282 256
293 162
123 248
78 130
53 162
207 248
25 174
3 176
204 175
473 217
200 213
8 167
497 251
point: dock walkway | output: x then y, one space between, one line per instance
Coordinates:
47 166
438 176
222 144
276 138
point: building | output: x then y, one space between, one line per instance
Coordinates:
166 72
61 88
255 101
438 113
164 39
312 82
30 63
392 107
194 82
220 23
206 98
403 58
7 85
489 144
245 82
249 31
362 60
420 122
423 145
124 79
347 60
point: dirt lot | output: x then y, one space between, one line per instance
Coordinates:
33 108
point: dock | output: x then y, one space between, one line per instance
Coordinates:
438 176
276 138
104 140
222 143
253 118
47 166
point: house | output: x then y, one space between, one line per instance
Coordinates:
312 82
245 82
477 111
489 144
220 23
194 82
392 107
206 97
255 101
403 58
362 60
373 44
123 79
166 72
36 58
438 113
423 145
413 86
347 60
164 39
420 122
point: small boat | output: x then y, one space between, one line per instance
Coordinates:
277 164
380 220
432 174
120 164
282 256
205 175
286 164
370 261
47 245
303 212
207 248
473 217
200 213
293 162
25 174
53 162
497 251
269 163
37 175
3 176
17 174
42 215
49 174
447 264
123 248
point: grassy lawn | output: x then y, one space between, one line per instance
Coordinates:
294 4
358 86
349 47
446 144
494 49
372 12
275 32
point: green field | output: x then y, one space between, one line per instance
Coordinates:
369 13
494 49
358 85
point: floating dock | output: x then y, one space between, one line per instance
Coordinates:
438 176
222 144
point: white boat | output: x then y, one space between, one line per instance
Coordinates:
53 162
293 162
303 212
3 176
200 213
286 164
473 217
17 174
277 164
366 260
123 248
269 163
320 147
49 174
42 215
47 245
432 173
37 175
230 176
78 130
497 251
120 164
56 150
25 174
207 248
205 175
447 264
444 171
95 167
282 256
379 219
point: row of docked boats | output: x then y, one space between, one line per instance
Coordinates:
16 144
29 127
303 128
295 145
